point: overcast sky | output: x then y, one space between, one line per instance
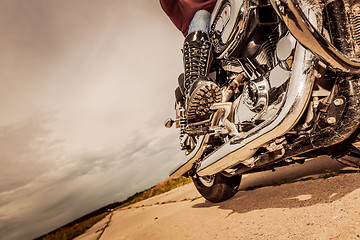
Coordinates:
85 88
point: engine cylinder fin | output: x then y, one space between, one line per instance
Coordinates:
354 17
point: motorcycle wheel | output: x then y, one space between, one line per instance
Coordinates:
217 188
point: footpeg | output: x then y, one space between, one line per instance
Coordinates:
230 128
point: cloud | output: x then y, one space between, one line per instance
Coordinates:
104 73
53 193
21 152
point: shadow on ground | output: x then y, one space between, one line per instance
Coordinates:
291 195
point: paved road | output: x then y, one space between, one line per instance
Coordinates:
314 209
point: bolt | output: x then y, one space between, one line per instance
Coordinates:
338 102
331 120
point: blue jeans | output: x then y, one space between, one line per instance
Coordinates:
200 22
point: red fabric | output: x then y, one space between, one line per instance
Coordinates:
181 12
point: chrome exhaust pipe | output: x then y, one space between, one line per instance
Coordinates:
301 28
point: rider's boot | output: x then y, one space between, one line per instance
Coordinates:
199 90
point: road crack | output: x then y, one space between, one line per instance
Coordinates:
106 226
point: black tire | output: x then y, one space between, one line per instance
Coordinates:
217 188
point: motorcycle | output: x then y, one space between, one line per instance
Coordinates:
289 77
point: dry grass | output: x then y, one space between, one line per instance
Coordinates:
161 187
71 232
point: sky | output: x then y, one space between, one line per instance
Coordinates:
86 86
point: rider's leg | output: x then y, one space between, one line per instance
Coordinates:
200 91
200 22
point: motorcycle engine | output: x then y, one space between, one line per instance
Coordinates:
246 35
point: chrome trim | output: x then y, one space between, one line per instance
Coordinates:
261 88
190 160
301 28
196 154
298 94
285 47
230 128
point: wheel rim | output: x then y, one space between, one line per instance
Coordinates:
207 181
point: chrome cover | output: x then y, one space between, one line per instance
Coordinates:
256 95
228 19
306 33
